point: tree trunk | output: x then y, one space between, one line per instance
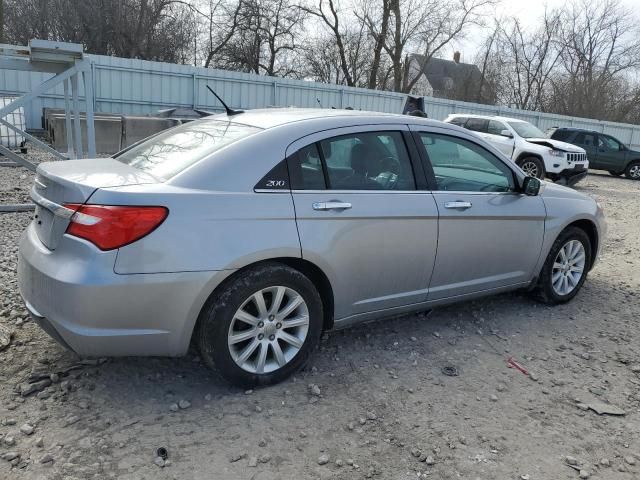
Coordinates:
377 51
397 48
1 21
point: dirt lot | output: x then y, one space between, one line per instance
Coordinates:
384 407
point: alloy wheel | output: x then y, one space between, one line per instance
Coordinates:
634 171
268 329
568 267
530 168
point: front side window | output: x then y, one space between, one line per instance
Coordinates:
495 127
526 130
463 166
559 134
609 143
367 161
169 153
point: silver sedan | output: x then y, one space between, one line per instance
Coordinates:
249 234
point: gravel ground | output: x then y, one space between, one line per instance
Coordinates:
413 397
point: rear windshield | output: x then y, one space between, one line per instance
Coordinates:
171 152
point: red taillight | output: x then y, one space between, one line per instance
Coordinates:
111 226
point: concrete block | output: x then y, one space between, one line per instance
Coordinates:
108 133
135 129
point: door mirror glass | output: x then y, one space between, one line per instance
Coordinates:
506 133
531 186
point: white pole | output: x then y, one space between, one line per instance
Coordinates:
67 121
87 75
76 114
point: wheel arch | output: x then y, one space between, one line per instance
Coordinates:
522 155
630 162
592 232
309 269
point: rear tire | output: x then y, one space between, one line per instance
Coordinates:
533 167
559 281
633 170
247 335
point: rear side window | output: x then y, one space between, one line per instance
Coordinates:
360 161
459 121
306 169
368 161
477 124
586 139
169 153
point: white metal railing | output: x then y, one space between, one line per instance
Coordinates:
130 86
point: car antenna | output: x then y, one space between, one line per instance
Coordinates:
230 111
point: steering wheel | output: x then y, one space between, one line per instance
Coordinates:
390 170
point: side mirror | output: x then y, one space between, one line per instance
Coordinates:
506 133
531 186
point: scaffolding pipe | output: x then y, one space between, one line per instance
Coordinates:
87 75
77 130
71 152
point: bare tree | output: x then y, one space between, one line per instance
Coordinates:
328 12
149 29
219 20
601 43
424 26
527 60
489 65
1 21
265 39
347 44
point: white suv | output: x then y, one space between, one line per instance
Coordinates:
527 146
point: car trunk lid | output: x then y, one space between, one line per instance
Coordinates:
74 181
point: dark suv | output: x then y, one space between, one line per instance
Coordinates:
603 151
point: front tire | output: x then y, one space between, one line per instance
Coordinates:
633 170
565 269
533 167
262 327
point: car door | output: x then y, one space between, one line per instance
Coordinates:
588 141
362 217
611 153
490 236
495 136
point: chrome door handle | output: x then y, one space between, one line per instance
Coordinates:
460 205
331 205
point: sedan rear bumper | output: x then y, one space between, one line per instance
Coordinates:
75 296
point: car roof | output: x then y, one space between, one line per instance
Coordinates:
487 117
273 117
576 129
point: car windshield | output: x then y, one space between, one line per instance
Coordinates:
170 152
526 130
